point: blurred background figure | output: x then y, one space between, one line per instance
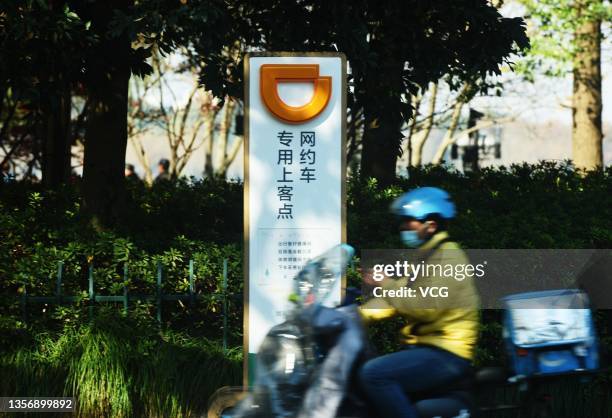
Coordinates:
163 167
5 173
130 172
130 175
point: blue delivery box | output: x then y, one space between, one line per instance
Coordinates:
550 331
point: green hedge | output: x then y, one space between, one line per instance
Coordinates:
524 206
547 205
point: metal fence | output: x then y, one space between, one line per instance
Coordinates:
158 297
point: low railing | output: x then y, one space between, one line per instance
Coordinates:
158 297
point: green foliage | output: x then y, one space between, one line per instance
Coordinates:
121 367
409 41
552 24
42 38
38 38
394 49
548 205
169 224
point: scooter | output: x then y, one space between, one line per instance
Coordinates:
306 366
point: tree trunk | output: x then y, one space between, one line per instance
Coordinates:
587 133
383 122
209 169
416 106
106 128
450 132
353 133
56 156
55 108
419 144
224 130
381 141
238 143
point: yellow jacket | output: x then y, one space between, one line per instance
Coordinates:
448 323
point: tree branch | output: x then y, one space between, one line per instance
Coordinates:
417 151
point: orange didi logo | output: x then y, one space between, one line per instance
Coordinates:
273 74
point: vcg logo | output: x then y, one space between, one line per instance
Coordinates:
273 74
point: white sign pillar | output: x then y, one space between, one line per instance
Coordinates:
294 179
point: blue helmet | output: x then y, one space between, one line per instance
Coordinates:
423 202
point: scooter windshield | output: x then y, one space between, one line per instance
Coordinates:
316 280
